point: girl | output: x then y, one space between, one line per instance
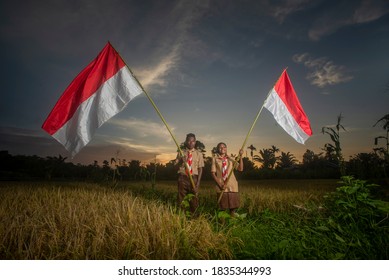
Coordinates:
222 166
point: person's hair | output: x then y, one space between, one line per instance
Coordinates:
190 135
221 143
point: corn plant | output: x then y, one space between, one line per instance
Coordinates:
335 147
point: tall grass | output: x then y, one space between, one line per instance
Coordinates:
281 196
86 221
284 219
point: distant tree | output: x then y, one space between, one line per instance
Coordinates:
105 164
200 147
274 149
365 166
267 158
249 165
134 167
252 149
55 166
286 160
214 151
309 157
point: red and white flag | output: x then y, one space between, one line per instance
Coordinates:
99 92
283 103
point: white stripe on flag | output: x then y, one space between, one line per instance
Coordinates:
281 114
107 101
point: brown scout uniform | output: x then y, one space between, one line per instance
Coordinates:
230 199
184 185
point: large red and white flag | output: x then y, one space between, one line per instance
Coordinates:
283 103
99 92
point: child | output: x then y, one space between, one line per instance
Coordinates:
195 161
222 166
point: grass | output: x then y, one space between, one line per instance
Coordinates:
285 219
87 221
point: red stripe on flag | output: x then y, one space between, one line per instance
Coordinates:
286 92
101 69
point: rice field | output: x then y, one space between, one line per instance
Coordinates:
75 220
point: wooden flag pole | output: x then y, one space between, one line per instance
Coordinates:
167 126
238 158
245 141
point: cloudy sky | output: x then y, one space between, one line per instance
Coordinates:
208 65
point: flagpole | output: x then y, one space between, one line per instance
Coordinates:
245 141
167 126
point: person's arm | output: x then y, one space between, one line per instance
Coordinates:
180 159
219 183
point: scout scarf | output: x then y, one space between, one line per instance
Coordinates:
224 168
189 161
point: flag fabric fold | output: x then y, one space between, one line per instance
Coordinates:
283 103
99 92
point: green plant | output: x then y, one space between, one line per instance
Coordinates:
185 204
358 222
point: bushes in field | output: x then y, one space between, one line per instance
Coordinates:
347 224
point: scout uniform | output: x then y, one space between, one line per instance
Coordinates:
230 198
195 161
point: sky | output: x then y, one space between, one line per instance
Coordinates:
208 66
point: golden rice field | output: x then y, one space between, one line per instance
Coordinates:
63 220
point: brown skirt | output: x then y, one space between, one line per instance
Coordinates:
230 200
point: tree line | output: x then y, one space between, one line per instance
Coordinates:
275 164
266 163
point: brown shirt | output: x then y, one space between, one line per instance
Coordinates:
232 185
197 162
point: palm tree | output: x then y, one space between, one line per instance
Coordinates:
267 158
274 149
252 148
286 160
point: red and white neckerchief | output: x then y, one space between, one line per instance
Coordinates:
224 168
189 161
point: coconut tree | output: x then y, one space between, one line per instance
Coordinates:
274 149
267 158
286 160
252 149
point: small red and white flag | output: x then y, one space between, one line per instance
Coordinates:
283 103
99 92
